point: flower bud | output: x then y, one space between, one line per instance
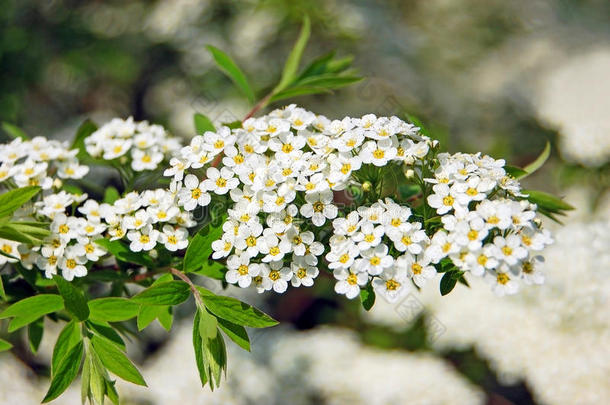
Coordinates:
409 174
367 186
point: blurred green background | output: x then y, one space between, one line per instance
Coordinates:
501 77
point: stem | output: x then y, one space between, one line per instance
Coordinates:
187 280
261 104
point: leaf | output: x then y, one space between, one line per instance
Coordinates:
98 377
212 269
121 251
112 309
30 309
113 395
35 332
207 324
85 378
298 91
294 59
67 339
235 311
448 282
66 372
317 66
111 194
515 172
74 300
14 131
12 200
167 293
84 130
215 357
203 123
367 297
4 345
547 201
236 333
198 347
537 164
226 64
149 313
2 292
200 248
329 81
32 232
116 361
104 330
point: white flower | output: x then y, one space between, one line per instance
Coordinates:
86 247
143 239
145 159
342 256
349 282
418 268
391 283
273 247
71 170
302 273
72 265
241 271
249 239
378 153
222 247
509 249
279 276
319 207
9 248
347 226
445 198
441 245
369 235
374 260
481 260
65 227
299 240
530 273
174 238
410 238
176 169
287 144
220 181
116 148
502 282
193 193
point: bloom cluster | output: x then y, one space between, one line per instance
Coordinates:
296 182
143 219
144 145
495 238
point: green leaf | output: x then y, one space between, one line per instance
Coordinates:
112 309
121 251
215 355
167 293
318 66
198 347
35 332
104 330
294 59
203 123
98 377
111 194
4 345
367 297
515 172
212 269
537 164
236 333
31 231
329 81
298 91
547 201
2 292
149 313
30 309
67 339
235 311
448 282
226 64
85 378
200 248
84 130
14 131
66 372
74 300
208 324
116 361
12 200
113 395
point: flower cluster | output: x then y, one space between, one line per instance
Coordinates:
496 238
141 144
296 183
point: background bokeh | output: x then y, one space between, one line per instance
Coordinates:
501 77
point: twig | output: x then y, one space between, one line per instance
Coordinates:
187 280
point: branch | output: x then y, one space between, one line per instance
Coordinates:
187 280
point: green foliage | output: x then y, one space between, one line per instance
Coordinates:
367 297
234 310
165 293
111 194
30 309
294 59
450 279
66 372
236 333
163 313
35 332
14 131
202 123
67 339
548 204
230 68
74 300
84 130
200 249
116 361
210 350
112 309
540 160
12 200
121 251
4 345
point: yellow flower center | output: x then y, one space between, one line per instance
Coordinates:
392 285
251 241
344 258
369 238
196 193
144 239
352 279
416 267
172 239
63 228
507 250
375 261
448 201
274 275
482 260
318 206
70 263
219 144
274 251
473 235
242 270
89 248
287 148
502 278
346 168
472 191
378 153
220 182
